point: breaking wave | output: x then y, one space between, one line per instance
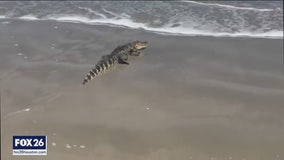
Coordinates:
185 18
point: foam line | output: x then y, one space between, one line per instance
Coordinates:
127 23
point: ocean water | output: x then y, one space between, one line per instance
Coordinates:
186 18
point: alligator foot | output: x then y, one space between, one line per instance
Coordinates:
140 54
137 54
124 62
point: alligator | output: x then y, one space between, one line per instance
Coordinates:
119 55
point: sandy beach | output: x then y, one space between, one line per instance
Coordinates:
187 98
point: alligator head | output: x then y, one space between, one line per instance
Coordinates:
139 45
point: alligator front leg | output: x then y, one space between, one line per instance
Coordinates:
136 53
123 61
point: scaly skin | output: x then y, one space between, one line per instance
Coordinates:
118 56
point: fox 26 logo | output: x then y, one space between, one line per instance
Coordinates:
29 145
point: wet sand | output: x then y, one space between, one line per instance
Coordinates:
199 98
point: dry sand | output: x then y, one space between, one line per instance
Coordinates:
199 98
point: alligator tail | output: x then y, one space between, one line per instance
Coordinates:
100 67
92 74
